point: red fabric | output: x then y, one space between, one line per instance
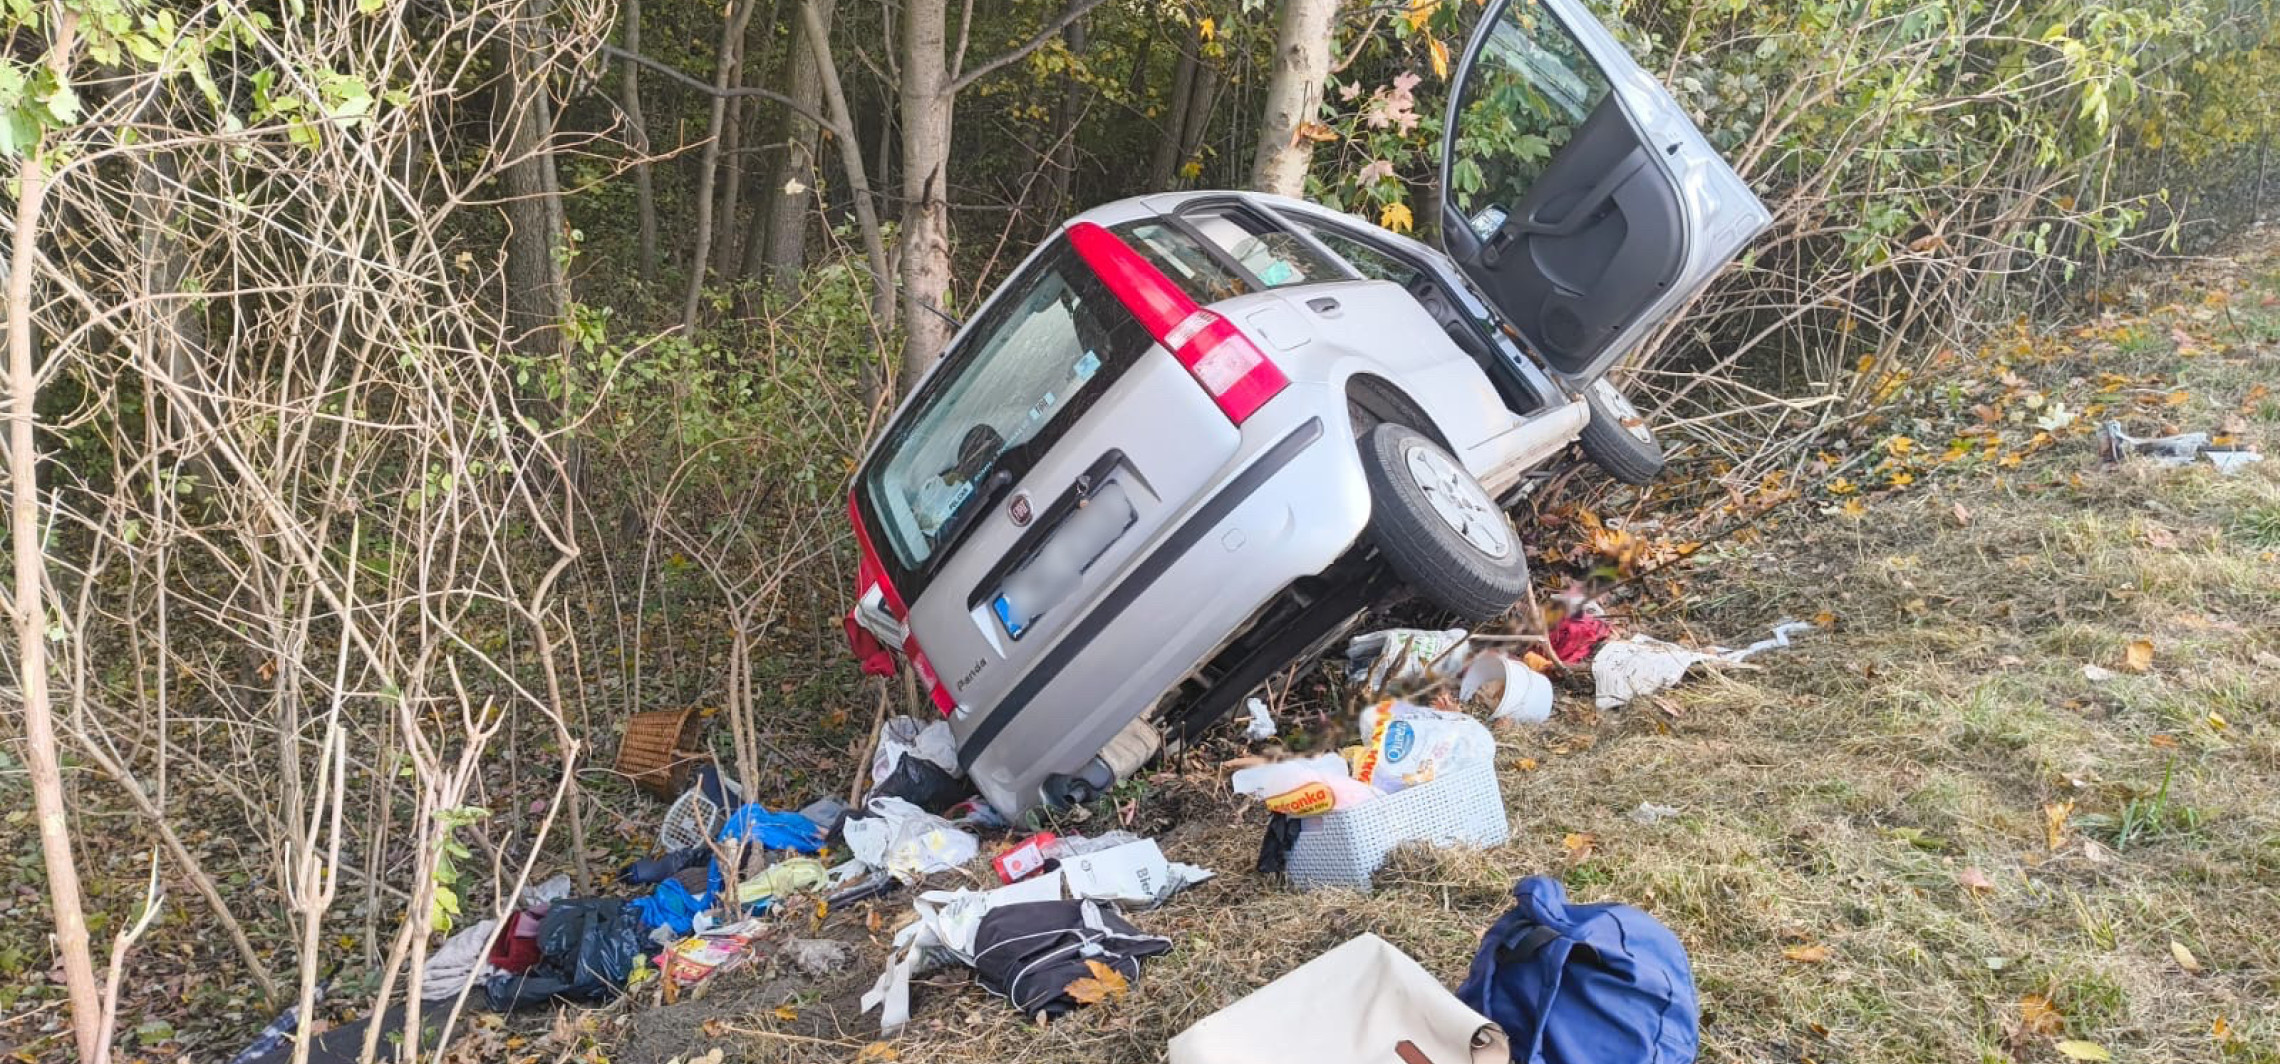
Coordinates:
876 658
1574 638
515 953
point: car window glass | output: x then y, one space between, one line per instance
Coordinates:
1184 261
1019 377
1276 257
1523 98
1366 259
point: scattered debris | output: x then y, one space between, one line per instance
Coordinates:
1362 993
701 956
817 957
1025 859
1406 656
1642 665
1136 872
1650 813
2183 449
918 764
1305 786
1261 725
2098 673
1578 634
906 841
1523 695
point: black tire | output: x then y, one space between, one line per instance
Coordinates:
1628 452
1424 549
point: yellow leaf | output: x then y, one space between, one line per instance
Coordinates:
1397 218
1903 479
2038 1016
1813 954
2079 1050
1853 509
1900 444
1867 362
1824 620
2054 823
1208 29
1420 11
1579 846
877 1052
787 1013
1314 131
2185 957
1103 984
2221 1030
2138 655
1841 486
1525 764
1440 56
2217 722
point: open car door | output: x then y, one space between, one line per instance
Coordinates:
1576 192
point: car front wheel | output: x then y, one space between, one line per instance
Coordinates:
1438 528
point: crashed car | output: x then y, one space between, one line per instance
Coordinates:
1195 434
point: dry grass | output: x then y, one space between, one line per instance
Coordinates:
1837 796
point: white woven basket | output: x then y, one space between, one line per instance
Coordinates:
692 818
1345 848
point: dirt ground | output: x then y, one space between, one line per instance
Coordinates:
1969 820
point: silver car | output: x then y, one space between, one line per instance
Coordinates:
1195 434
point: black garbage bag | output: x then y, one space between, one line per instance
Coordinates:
587 948
921 783
1029 953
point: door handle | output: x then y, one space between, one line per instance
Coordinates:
1323 305
1585 209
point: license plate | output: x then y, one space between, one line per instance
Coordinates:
1007 615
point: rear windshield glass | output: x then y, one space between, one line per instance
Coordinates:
1045 350
1184 261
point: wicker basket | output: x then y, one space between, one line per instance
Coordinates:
1345 848
660 750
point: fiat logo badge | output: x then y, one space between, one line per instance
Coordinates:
1019 510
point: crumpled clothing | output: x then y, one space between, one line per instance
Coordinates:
782 879
459 961
672 906
1577 635
662 867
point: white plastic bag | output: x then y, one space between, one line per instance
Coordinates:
903 736
1404 745
906 841
1406 656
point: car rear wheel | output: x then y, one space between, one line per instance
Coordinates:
1438 528
1617 439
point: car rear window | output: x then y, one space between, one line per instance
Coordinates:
1180 258
1044 351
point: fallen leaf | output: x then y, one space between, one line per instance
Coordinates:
1813 954
877 1051
787 1013
1579 846
2138 655
1314 131
1962 516
2074 1049
1103 984
2162 740
1824 620
2054 823
2038 1016
2185 957
2221 1030
1525 764
1974 880
2217 721
2160 538
1539 662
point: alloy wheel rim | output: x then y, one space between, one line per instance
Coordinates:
1457 499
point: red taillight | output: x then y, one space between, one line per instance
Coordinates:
870 573
1239 376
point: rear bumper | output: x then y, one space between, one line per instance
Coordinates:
1292 511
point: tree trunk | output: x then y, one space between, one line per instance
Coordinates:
1197 124
818 36
926 114
644 192
1294 96
29 618
1165 162
732 151
1060 160
538 298
700 255
781 248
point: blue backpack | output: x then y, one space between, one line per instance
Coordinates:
1584 984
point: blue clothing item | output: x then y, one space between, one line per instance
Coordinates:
1584 984
671 905
774 831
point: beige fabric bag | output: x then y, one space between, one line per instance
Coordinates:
1362 1003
